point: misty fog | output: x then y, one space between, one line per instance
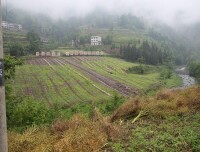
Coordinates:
172 12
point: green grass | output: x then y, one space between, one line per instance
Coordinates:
117 69
172 134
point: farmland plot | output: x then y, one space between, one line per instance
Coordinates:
109 82
51 80
71 80
117 70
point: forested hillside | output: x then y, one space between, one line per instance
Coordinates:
116 31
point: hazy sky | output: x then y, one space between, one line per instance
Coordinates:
168 11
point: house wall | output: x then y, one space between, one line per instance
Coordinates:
96 40
11 26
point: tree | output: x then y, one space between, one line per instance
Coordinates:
151 54
34 42
194 69
141 60
10 63
84 39
107 40
16 50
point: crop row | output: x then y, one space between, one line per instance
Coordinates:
53 81
117 69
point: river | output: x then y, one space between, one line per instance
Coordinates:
187 80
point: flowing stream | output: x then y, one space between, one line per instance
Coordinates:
187 80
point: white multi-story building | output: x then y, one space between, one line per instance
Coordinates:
4 24
96 40
11 26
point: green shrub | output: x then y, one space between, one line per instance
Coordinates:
194 69
23 112
166 74
143 69
111 105
137 69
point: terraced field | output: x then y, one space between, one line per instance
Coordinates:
116 69
53 81
70 80
13 36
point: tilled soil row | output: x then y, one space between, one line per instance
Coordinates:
55 87
49 61
27 91
41 84
122 88
109 82
78 82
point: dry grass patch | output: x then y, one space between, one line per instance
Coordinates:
175 101
165 102
31 140
82 135
79 134
113 131
126 110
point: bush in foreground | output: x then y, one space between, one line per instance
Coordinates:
24 112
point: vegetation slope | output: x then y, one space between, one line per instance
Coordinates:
167 122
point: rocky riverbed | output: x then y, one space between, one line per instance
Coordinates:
186 78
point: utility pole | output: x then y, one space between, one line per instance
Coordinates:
3 125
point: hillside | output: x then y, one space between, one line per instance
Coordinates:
116 30
11 37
